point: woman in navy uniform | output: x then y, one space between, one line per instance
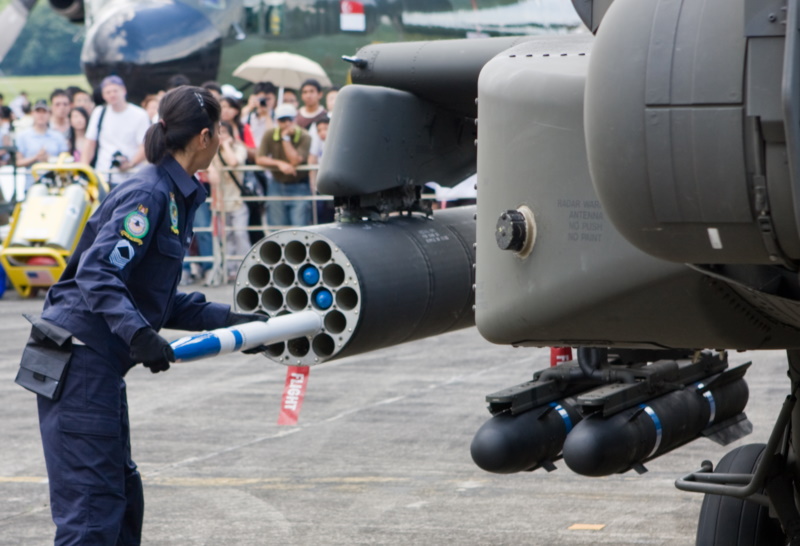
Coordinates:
118 290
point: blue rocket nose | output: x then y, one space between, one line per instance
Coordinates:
310 275
146 43
323 298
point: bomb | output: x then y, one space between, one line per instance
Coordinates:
509 443
601 446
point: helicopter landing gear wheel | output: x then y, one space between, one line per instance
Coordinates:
728 521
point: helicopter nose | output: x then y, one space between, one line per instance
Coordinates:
146 43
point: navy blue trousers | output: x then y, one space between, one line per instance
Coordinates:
95 489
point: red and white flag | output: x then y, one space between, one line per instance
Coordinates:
293 393
352 17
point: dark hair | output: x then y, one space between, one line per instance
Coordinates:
312 82
5 112
73 90
212 85
59 93
183 113
176 80
85 115
265 87
289 90
236 104
324 119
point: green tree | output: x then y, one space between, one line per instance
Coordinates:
49 44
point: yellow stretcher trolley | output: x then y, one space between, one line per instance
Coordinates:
46 226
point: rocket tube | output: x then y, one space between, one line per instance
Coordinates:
246 336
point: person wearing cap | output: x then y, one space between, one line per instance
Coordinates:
283 150
116 132
39 143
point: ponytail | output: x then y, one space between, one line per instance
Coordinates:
155 143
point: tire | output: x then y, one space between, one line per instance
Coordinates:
728 521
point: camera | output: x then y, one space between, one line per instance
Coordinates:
117 158
262 102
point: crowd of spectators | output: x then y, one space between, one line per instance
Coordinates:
103 129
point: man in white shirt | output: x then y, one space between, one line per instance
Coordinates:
116 131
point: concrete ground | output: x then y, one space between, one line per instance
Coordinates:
380 456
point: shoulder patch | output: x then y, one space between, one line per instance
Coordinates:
136 225
122 254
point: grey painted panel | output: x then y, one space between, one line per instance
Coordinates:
764 77
684 164
764 17
708 66
660 52
720 173
442 72
696 165
425 143
665 200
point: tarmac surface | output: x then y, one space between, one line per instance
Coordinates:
380 455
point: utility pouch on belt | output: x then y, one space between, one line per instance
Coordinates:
45 358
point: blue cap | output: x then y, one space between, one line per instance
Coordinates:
111 80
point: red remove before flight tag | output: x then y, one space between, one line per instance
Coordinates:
293 393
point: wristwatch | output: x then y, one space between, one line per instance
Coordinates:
286 138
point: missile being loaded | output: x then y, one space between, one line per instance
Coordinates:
612 418
246 336
373 284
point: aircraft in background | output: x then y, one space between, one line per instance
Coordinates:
148 41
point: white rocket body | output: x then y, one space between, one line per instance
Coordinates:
246 336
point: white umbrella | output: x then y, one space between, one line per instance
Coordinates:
282 69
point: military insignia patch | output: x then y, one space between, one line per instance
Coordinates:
122 254
136 225
173 213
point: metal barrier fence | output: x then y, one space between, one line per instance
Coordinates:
221 258
13 182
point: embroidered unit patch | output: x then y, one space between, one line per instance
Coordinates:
136 224
173 213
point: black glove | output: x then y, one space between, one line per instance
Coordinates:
234 319
152 350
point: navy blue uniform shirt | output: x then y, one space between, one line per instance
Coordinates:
124 273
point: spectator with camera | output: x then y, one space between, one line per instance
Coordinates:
258 113
115 135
